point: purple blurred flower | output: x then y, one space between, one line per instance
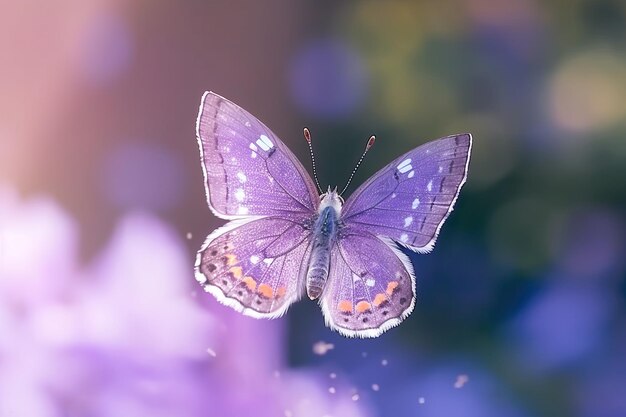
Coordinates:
600 390
562 326
126 336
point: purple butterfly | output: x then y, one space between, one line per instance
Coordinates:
285 240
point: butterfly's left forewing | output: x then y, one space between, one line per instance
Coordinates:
371 285
255 266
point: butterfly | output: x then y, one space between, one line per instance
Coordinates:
285 239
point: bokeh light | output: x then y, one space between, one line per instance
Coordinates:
328 79
562 326
107 49
587 92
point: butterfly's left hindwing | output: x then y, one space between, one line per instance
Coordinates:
371 285
256 267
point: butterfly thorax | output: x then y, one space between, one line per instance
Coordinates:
324 234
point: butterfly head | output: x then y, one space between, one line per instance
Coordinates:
331 198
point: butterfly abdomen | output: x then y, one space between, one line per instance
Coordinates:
324 232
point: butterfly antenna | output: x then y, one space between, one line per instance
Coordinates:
307 136
370 143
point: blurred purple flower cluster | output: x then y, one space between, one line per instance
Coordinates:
125 335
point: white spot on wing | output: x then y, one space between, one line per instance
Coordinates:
254 259
262 143
393 195
416 203
405 166
242 210
404 237
411 174
355 277
408 221
242 177
268 261
440 170
265 143
240 194
429 187
370 282
253 147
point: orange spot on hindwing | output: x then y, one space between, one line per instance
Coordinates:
379 299
250 283
280 292
237 272
345 306
363 306
265 290
231 259
391 287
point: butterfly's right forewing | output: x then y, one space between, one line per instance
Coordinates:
248 170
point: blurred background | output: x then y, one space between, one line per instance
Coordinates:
521 308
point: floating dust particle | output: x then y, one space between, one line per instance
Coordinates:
211 352
332 375
276 374
189 236
355 397
461 380
375 387
194 293
364 354
332 390
384 362
321 348
421 400
288 413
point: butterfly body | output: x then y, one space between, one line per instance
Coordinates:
324 236
285 240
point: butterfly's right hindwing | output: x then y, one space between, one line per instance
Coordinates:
257 267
